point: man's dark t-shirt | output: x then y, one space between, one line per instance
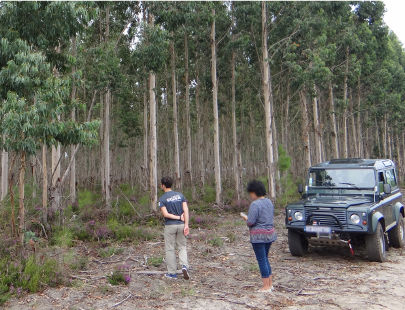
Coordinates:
173 201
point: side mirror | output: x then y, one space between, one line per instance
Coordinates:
387 189
300 188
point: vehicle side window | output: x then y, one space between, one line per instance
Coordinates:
390 178
381 181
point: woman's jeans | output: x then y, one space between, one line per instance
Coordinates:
262 253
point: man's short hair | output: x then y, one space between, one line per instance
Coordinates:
167 182
256 187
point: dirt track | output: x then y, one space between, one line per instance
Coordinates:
227 278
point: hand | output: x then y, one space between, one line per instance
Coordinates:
182 217
244 216
186 230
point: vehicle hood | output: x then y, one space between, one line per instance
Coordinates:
336 201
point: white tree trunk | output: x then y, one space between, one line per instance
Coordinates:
345 104
268 96
217 164
305 130
334 129
317 128
234 136
4 174
44 186
72 184
106 150
200 131
175 119
145 137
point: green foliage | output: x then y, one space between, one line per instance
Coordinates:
216 241
131 232
63 238
29 275
209 194
116 278
110 251
155 261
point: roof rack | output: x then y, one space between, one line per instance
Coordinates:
346 161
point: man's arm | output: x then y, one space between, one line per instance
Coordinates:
186 218
168 215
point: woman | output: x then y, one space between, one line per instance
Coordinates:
260 220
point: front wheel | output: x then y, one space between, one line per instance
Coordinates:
376 245
397 234
297 243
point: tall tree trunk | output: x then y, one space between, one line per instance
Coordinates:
354 150
106 146
385 147
188 118
21 198
305 129
268 98
4 174
72 184
334 129
200 130
217 164
145 137
101 134
175 118
345 103
285 128
317 127
153 137
233 111
359 129
44 187
106 150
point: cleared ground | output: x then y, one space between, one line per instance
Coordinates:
226 277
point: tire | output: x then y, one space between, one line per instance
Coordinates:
397 234
376 245
297 243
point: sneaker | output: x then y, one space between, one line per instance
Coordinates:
171 276
186 275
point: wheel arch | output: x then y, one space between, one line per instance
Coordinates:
378 217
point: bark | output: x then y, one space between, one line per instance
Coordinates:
345 103
145 137
235 152
317 127
11 191
305 130
4 174
44 187
55 163
106 146
188 118
153 138
359 129
268 98
72 184
217 164
21 198
334 130
106 150
200 131
385 148
175 119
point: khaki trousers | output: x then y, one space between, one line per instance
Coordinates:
174 235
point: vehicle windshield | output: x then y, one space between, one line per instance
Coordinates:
342 178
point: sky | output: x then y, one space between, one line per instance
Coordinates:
394 18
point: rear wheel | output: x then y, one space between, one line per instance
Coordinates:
297 243
376 245
397 234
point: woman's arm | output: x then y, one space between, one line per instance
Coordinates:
252 215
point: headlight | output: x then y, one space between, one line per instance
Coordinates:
355 218
298 216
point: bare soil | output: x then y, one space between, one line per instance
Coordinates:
227 277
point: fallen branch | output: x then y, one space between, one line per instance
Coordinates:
122 301
153 272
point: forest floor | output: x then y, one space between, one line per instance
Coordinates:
225 276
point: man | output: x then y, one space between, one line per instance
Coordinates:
174 209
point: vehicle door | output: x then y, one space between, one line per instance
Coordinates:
390 178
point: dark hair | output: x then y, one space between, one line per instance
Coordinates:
167 181
256 187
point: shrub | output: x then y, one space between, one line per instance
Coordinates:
155 261
120 276
29 276
202 221
110 251
237 206
63 238
216 241
131 232
209 194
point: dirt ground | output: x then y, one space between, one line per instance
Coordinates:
227 277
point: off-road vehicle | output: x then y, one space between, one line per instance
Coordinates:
354 202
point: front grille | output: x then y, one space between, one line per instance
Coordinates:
323 218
